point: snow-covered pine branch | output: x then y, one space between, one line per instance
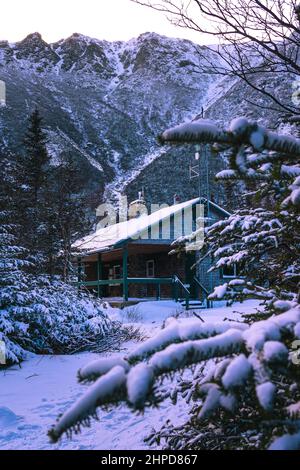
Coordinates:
178 332
255 153
253 355
240 131
255 240
103 391
261 242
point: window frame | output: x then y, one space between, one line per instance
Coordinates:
230 276
147 268
114 271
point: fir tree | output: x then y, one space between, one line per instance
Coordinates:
261 240
64 214
13 279
36 157
38 314
71 211
32 185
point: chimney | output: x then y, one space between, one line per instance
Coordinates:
176 199
138 207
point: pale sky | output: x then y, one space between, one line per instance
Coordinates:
102 19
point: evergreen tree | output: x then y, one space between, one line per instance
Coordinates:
261 240
71 211
35 314
51 203
64 214
40 211
13 279
32 183
36 157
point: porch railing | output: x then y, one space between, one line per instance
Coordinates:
203 292
157 281
179 289
179 285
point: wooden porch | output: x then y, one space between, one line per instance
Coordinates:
171 279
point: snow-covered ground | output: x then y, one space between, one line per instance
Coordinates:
31 397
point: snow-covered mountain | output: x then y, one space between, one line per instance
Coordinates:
106 102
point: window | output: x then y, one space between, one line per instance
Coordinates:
150 268
117 272
230 271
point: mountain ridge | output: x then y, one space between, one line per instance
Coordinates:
106 102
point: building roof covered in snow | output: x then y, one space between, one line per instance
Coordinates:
137 229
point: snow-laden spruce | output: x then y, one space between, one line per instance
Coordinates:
240 131
261 243
251 365
38 313
261 240
244 137
13 281
178 331
48 317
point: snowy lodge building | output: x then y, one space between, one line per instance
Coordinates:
130 260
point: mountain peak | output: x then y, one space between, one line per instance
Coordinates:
33 38
80 37
150 35
36 51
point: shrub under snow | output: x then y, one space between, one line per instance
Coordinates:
48 317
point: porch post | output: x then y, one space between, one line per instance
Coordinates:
99 274
157 291
125 273
175 290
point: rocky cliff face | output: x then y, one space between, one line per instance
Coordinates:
105 103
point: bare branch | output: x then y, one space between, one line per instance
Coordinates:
254 37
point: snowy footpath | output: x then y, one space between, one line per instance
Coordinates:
31 397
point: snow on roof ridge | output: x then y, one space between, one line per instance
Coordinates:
115 233
219 208
106 237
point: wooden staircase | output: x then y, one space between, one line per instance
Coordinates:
185 298
194 305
